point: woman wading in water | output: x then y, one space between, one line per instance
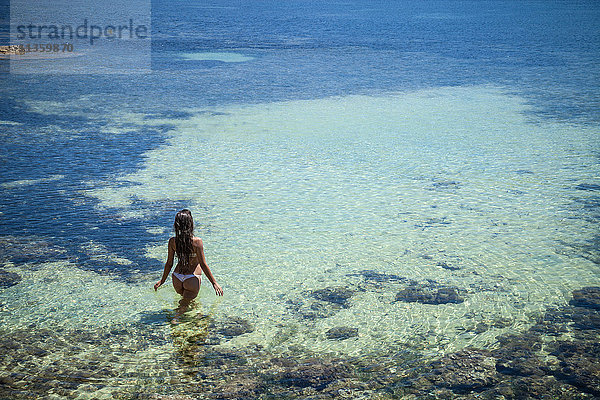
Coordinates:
190 261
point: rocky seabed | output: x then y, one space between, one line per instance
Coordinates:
556 358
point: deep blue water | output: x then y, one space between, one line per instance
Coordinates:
547 52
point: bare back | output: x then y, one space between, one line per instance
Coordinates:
195 258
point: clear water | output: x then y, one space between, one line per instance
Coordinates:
312 142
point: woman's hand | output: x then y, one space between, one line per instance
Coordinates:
218 290
157 285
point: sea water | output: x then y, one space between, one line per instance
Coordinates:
300 195
440 144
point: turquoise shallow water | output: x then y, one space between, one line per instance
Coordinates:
296 196
292 197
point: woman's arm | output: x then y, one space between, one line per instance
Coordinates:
168 264
205 269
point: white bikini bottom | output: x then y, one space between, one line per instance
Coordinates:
183 277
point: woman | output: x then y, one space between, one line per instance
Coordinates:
190 260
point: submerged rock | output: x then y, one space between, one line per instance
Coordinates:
335 295
8 279
28 249
553 322
446 185
579 363
240 387
321 303
427 294
464 371
431 222
220 357
315 373
312 310
447 266
341 333
171 397
231 327
517 355
574 370
66 362
588 186
581 372
587 297
537 387
586 319
484 326
380 277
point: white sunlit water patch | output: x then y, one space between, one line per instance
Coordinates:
29 182
226 57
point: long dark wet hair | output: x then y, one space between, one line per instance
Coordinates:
184 232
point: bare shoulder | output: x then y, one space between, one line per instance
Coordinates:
198 242
172 242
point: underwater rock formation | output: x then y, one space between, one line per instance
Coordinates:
8 279
588 187
517 355
579 363
204 331
464 371
38 363
29 249
586 297
557 358
314 373
341 333
429 294
335 295
321 303
231 327
433 222
240 387
447 266
446 185
522 366
380 277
